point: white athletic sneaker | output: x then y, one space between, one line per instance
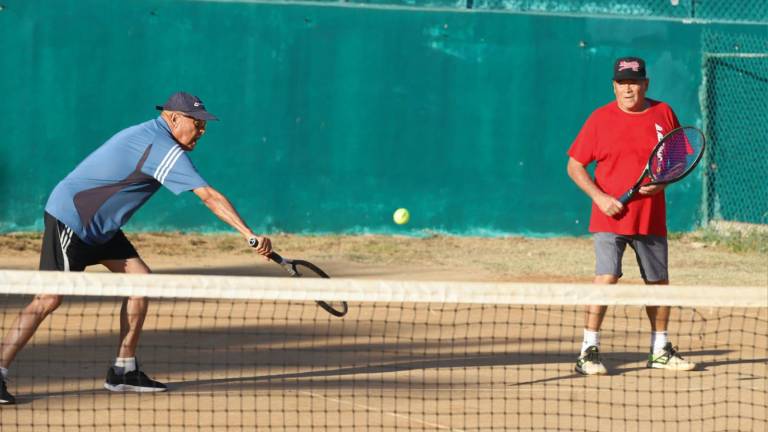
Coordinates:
589 362
668 358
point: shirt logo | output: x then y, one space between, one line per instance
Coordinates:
624 65
660 152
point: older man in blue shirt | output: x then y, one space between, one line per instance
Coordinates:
85 213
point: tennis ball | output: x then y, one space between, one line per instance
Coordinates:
401 216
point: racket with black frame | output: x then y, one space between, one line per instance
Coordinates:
673 158
299 268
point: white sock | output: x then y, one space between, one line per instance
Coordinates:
658 340
591 338
3 373
123 365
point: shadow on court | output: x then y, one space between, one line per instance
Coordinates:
231 347
398 374
326 354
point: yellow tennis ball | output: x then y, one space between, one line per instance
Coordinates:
401 216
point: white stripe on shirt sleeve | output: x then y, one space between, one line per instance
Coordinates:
168 156
170 165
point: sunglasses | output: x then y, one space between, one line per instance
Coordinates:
199 124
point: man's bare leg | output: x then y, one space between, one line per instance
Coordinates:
125 375
134 309
658 315
663 354
593 319
25 325
22 329
589 361
659 318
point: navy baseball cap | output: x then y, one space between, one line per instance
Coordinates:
629 68
188 104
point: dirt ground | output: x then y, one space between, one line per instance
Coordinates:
693 260
290 366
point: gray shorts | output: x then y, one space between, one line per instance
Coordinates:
651 253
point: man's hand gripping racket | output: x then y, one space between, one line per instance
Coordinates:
673 158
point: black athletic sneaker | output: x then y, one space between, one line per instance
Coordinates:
134 381
5 397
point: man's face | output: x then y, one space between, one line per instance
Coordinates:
187 130
630 94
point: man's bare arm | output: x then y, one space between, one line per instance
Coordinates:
606 203
224 210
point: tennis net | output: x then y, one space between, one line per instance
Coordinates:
256 352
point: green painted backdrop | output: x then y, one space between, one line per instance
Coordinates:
332 117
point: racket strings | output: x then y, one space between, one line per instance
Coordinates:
677 155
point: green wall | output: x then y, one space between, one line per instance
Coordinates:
332 117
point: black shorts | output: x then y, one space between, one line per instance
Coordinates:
64 251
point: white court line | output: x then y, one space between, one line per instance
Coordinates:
368 408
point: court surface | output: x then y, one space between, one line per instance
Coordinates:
420 366
384 367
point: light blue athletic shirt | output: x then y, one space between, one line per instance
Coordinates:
109 185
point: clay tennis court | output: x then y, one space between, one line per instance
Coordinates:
290 366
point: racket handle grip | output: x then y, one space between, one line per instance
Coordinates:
274 256
624 199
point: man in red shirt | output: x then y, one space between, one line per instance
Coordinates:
619 137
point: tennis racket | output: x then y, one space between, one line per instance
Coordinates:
673 158
299 268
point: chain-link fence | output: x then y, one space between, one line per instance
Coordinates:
735 91
741 11
729 10
712 10
658 8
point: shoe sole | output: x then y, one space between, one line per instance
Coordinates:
663 366
6 402
130 388
585 373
